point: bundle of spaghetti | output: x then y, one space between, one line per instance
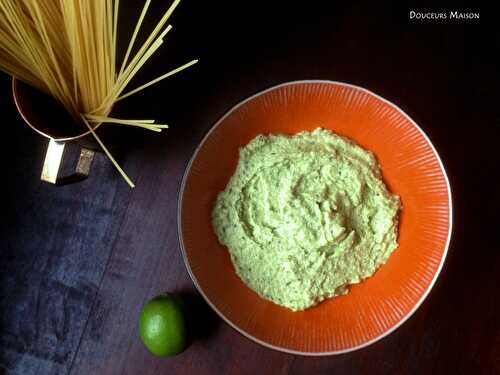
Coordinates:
67 48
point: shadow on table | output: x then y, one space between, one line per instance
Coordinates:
201 320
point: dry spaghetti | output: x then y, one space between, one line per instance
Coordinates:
67 48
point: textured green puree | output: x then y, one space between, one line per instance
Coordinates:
305 216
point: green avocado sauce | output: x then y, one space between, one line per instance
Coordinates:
305 216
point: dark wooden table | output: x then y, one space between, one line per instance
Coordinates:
78 262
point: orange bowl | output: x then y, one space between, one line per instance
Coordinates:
411 168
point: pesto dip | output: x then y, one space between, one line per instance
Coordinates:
305 216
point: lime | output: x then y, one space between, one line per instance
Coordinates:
162 326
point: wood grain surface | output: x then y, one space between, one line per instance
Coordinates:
78 262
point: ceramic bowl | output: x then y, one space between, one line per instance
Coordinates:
411 168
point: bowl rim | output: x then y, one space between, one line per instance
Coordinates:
240 330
